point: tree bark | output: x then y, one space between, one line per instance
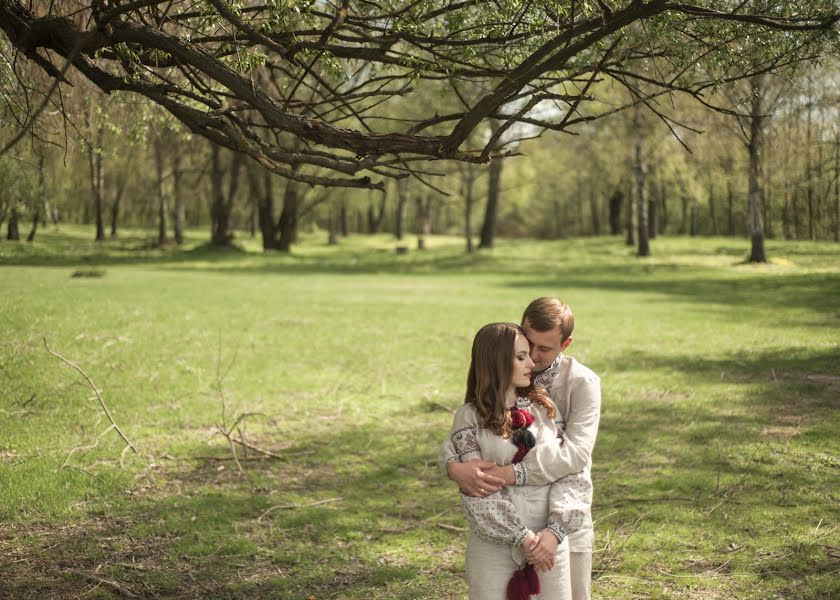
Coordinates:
178 231
221 207
755 147
652 218
402 201
163 209
643 248
488 229
40 202
265 208
631 215
97 176
730 228
809 194
615 212
345 220
837 187
593 208
424 221
288 223
712 215
693 224
469 181
13 232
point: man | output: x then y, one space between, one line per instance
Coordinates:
548 325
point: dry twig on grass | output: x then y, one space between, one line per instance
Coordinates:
295 505
228 432
107 582
609 554
114 426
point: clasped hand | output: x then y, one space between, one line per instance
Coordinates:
539 549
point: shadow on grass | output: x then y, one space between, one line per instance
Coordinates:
212 534
204 532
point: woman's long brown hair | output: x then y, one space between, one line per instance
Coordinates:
490 374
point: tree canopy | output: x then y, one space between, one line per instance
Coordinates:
317 91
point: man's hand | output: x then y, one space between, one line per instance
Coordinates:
506 473
541 554
473 479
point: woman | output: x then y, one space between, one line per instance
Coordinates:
517 547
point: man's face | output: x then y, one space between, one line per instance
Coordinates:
545 345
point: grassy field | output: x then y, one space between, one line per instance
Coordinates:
717 468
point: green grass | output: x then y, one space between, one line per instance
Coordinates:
716 468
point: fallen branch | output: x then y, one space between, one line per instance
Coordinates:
107 582
98 395
296 505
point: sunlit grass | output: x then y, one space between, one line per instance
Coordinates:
716 468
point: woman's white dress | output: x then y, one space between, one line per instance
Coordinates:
499 522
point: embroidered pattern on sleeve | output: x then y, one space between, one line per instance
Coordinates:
520 471
465 443
494 519
571 503
557 529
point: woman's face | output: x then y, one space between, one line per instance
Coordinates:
522 363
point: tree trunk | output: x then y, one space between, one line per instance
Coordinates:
345 221
767 205
631 215
730 228
808 168
652 219
837 188
593 208
97 180
424 221
797 221
615 212
163 209
712 215
265 203
755 147
663 202
693 225
488 229
375 219
288 223
332 236
179 198
115 215
641 201
402 201
220 208
40 202
785 218
13 232
469 181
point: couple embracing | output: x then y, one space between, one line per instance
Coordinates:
520 451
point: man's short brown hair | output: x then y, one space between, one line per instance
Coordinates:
547 314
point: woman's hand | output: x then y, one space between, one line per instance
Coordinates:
541 553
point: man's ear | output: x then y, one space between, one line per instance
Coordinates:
566 344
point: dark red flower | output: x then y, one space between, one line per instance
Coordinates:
520 418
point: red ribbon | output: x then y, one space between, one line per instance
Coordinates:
524 581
